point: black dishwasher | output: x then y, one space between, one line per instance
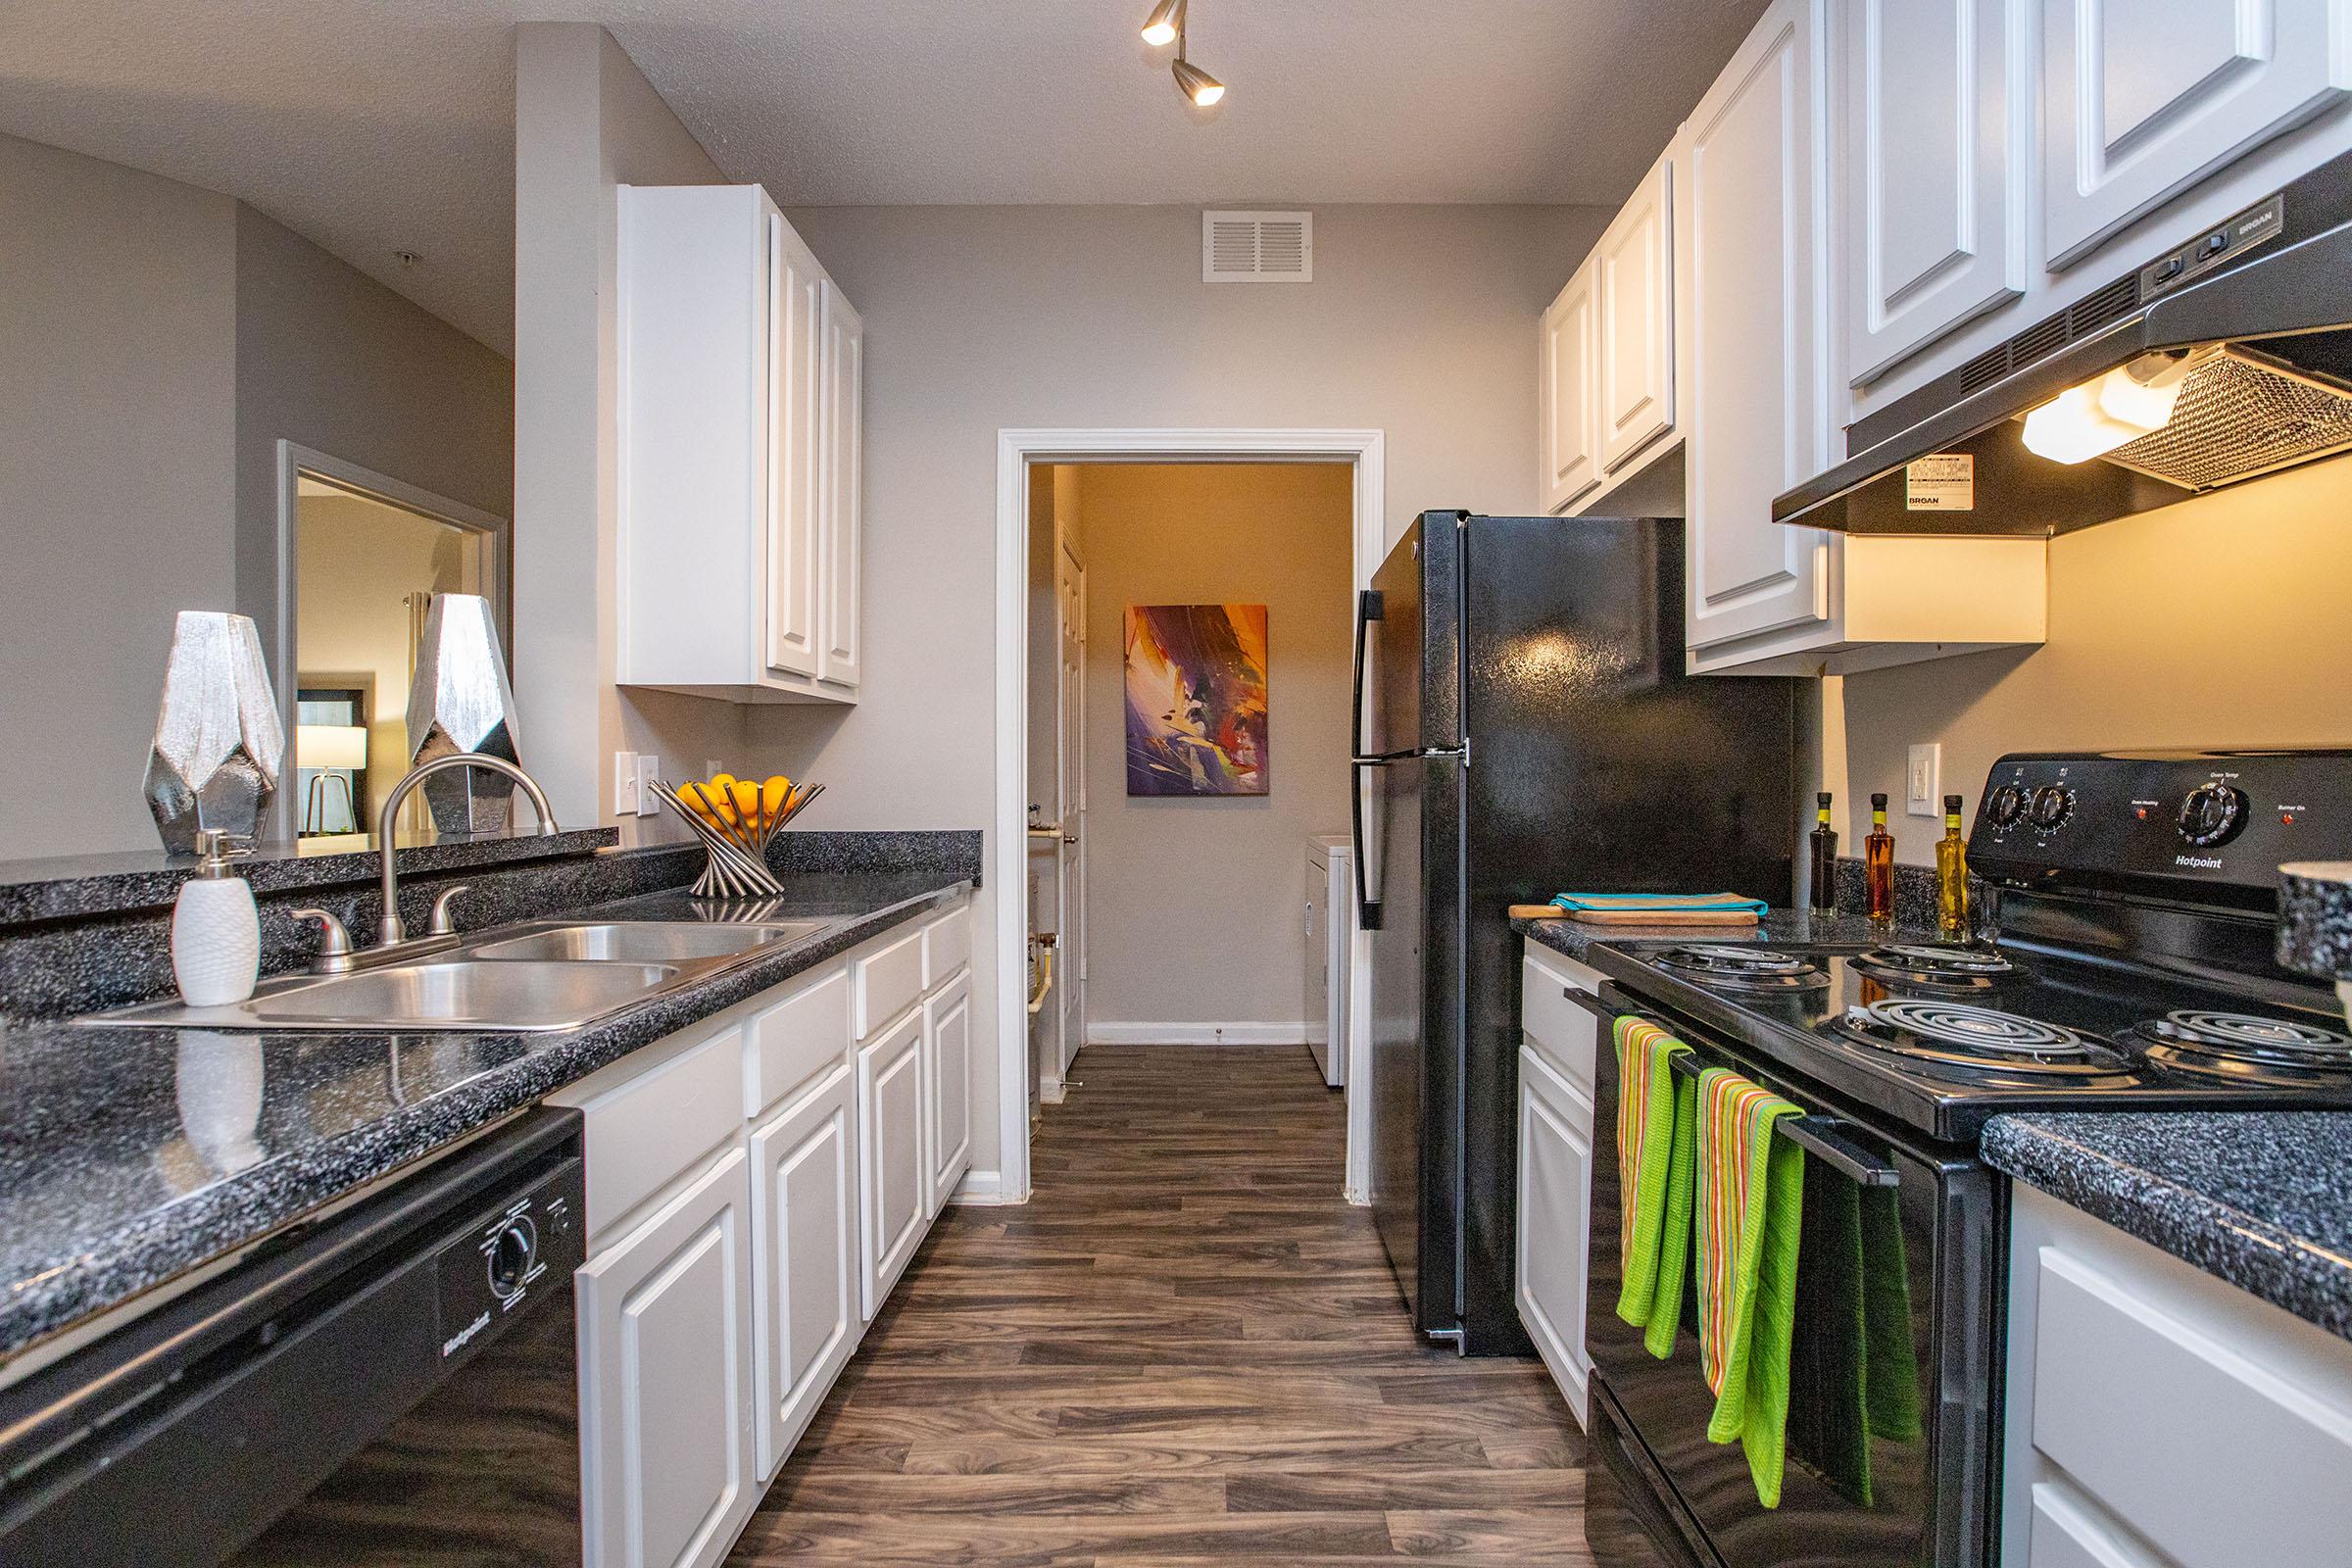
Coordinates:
394 1384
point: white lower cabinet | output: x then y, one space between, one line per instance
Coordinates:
807 1313
947 1085
1556 1065
894 1192
756 1185
666 1380
2159 1417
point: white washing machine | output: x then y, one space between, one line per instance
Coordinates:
1330 895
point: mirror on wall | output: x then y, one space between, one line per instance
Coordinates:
233 378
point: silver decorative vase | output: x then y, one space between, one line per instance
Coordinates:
219 743
461 701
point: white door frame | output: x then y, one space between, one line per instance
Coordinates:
1005 875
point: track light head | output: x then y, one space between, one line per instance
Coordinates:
1164 25
1197 84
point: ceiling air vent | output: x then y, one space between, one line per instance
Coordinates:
1257 247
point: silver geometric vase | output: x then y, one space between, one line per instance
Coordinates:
461 701
219 744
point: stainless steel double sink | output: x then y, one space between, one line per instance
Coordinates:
547 975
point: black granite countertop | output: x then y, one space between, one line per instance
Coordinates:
1572 937
129 1156
73 887
2262 1199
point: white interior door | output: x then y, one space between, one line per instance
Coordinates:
1069 599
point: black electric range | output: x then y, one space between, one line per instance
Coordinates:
2121 957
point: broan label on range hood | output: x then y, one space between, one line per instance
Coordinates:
1944 482
2227 356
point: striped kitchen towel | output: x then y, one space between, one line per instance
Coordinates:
1645 1153
1749 1207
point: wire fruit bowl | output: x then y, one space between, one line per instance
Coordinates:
736 820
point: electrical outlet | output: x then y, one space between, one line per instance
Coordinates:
624 784
1922 787
712 767
649 768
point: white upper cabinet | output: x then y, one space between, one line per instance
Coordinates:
1634 287
796 287
1932 171
741 500
2143 98
1748 283
842 490
1571 426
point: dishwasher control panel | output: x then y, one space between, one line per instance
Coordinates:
512 1252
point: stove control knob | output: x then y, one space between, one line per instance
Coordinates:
2052 804
2213 813
2007 804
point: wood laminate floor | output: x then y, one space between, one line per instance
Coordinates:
1186 1349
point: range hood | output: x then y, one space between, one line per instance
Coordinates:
2226 356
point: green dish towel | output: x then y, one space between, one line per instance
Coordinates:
1749 1207
1853 1374
1651 1252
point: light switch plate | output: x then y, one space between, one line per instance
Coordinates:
649 768
1922 787
712 767
624 783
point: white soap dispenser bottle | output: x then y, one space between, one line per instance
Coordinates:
215 930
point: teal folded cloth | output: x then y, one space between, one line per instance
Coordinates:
1661 903
1853 1374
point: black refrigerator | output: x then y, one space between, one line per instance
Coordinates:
1524 727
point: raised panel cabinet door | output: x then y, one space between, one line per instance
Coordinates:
890 1137
795 285
1748 332
947 1074
1571 426
804 1305
1555 1203
666 1368
843 500
2143 98
1634 273
1931 165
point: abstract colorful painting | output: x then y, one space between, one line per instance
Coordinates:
1197 700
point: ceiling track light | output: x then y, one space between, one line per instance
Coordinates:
1165 26
1166 21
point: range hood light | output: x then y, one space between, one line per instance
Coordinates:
2126 403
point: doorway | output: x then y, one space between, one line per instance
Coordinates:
1022 456
361 557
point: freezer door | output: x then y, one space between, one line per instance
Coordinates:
1417 664
1416 1033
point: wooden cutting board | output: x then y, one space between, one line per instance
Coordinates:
1713 917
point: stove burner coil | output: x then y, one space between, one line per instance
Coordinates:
1928 959
2242 1047
1738 967
2245 1030
1982 1029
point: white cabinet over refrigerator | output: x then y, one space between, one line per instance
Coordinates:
1329 890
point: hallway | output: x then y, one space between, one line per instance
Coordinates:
1185 1350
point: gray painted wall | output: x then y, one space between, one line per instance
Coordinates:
160 340
116 505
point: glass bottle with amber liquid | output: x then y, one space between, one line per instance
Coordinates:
1951 876
1824 858
1877 865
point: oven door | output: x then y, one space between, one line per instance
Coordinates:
1849 1494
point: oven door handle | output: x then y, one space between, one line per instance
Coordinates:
1819 1136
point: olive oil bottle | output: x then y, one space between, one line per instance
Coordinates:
1877 865
1951 876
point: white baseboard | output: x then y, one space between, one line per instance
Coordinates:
984 1189
1196 1034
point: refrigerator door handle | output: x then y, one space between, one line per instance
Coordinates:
1367 907
1368 609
